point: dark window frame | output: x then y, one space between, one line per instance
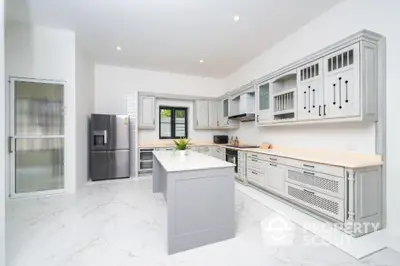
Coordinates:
173 124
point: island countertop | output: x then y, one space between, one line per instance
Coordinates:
173 161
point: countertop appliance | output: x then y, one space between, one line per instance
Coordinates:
221 139
232 157
109 146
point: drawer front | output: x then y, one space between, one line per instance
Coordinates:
321 168
328 184
255 164
330 206
271 158
255 178
259 156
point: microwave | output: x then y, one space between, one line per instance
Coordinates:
221 139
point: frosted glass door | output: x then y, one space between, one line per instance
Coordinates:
36 144
264 113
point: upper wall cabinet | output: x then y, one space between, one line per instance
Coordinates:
213 107
201 114
223 114
310 94
147 111
339 86
263 103
342 87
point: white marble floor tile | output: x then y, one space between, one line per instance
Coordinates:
123 223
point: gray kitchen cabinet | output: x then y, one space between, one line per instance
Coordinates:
342 96
310 91
264 114
223 113
207 150
201 114
147 110
220 153
213 111
276 176
332 193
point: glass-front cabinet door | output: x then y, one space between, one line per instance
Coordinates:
36 140
264 103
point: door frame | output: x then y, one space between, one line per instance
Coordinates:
10 166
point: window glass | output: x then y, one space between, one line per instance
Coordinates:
173 122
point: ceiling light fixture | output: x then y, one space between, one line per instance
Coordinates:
236 18
201 61
119 48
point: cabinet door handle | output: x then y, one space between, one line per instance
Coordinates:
347 91
309 99
308 173
273 164
324 109
334 93
258 120
308 165
254 172
305 100
254 160
319 112
197 122
310 192
340 92
273 159
313 98
10 144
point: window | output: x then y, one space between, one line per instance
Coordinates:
173 122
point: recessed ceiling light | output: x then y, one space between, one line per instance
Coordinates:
201 61
236 18
119 48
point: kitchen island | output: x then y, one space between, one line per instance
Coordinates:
200 195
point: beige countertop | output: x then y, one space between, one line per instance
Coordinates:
164 144
337 158
344 159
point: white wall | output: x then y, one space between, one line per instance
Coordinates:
2 140
341 21
113 85
44 53
84 107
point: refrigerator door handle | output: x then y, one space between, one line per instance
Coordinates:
105 136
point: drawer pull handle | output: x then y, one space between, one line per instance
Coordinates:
308 173
310 192
273 164
273 159
308 165
254 160
254 172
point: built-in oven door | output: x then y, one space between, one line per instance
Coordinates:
232 157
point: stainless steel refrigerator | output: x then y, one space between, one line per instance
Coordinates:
110 147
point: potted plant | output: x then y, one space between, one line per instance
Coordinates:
181 145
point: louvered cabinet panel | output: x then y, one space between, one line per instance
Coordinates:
331 185
330 206
310 97
342 97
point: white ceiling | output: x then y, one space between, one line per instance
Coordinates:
173 35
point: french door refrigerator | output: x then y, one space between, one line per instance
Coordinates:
109 147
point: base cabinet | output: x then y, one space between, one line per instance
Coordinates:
334 194
276 177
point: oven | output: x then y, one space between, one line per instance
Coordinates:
232 157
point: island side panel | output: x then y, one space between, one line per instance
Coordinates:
201 208
157 175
